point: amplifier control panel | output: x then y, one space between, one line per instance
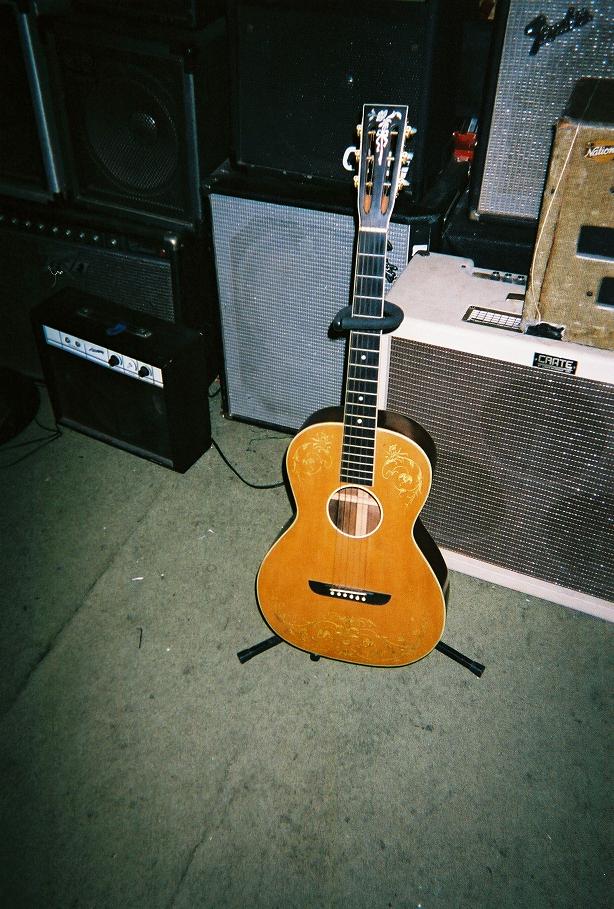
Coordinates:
104 356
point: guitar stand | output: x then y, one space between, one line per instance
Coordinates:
473 666
391 319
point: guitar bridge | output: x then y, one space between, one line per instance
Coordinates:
370 597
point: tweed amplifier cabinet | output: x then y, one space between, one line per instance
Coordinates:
572 274
539 51
284 262
44 249
522 492
125 378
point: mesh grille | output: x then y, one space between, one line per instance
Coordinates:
133 145
525 460
283 273
132 134
531 93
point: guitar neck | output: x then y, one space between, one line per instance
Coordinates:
360 410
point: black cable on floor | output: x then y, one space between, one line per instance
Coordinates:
237 474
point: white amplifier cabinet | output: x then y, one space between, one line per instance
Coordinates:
522 494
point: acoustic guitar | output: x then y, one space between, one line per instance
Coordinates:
355 576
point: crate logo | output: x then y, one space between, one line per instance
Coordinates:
555 364
600 151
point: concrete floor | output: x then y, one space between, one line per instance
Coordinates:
144 766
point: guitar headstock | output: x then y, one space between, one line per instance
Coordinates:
383 160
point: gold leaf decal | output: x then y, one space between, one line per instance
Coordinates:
405 473
350 638
311 456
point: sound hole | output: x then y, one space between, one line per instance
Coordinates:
354 511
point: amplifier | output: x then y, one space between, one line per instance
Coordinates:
539 51
572 274
522 492
44 249
143 115
302 72
124 378
284 256
30 165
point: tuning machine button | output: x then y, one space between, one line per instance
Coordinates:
350 150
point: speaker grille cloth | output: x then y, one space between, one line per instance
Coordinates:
283 273
130 123
531 94
525 461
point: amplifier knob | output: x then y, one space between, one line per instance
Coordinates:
113 360
143 372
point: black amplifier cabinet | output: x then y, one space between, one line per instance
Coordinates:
144 114
44 249
128 379
302 71
283 254
30 160
496 244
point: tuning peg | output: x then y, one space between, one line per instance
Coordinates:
350 150
359 129
356 181
410 131
407 158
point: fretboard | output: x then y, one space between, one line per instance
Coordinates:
360 412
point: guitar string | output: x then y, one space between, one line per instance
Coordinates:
356 504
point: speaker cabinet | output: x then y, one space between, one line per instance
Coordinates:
302 72
539 52
521 494
143 118
572 275
29 160
44 249
125 378
284 256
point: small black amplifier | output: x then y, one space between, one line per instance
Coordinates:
126 378
46 249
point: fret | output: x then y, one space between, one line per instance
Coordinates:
359 460
361 447
364 358
365 471
360 412
362 405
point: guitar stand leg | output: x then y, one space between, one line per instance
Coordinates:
471 665
249 652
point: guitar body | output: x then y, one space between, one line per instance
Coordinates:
355 577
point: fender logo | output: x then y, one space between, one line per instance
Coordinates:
543 33
599 152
